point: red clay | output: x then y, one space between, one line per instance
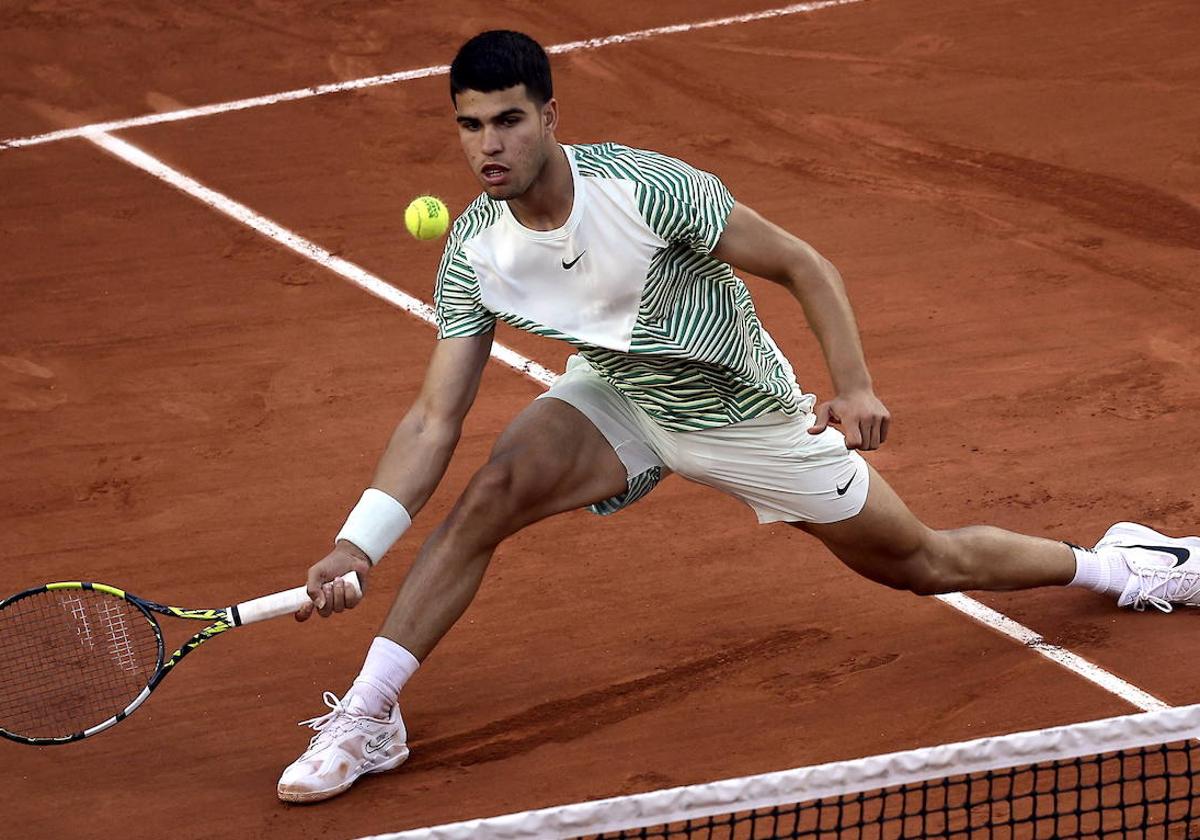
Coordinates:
1009 188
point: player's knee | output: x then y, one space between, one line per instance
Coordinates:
911 575
934 568
497 497
924 580
489 492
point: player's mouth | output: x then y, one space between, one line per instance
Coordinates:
494 174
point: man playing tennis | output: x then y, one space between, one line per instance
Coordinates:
630 257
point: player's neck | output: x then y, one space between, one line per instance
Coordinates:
547 204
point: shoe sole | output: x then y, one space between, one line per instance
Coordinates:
1131 532
304 797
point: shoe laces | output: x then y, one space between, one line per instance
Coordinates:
1162 587
337 720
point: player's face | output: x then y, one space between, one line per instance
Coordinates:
507 138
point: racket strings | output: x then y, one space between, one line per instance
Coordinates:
71 659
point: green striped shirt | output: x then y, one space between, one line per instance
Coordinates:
629 280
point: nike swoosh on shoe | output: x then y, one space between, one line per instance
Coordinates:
1181 554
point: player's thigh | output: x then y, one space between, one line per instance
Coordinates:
880 539
552 458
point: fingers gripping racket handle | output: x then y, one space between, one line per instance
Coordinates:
286 602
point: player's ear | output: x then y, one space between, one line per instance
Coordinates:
550 115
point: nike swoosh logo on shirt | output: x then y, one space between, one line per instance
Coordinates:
1181 554
571 264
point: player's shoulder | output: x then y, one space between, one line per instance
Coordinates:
478 216
650 169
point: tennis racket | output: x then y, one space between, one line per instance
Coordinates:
78 657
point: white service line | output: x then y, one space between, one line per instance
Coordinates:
365 280
405 75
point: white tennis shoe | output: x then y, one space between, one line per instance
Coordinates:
1164 570
345 747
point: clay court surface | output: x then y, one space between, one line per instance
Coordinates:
1011 189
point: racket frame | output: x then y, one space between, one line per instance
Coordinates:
225 618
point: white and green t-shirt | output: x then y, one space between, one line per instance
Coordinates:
630 281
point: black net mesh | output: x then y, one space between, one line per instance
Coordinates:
1130 777
1149 792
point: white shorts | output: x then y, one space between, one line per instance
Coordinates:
771 462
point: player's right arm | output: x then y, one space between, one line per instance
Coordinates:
415 460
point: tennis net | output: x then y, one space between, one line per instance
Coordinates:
1131 777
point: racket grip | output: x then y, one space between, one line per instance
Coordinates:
285 603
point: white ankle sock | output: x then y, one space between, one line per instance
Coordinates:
1105 572
387 668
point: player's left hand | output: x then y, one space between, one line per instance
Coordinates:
863 418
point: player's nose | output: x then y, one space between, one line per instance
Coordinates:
491 142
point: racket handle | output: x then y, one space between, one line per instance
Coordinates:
285 603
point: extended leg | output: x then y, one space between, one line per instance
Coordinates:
887 543
550 459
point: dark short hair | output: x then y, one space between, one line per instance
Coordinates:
499 59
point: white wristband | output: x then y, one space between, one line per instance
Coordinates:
375 524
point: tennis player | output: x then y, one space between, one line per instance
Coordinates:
630 256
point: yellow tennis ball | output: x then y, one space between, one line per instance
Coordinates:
426 217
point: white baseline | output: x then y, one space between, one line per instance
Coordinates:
402 76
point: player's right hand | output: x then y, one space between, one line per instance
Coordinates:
328 594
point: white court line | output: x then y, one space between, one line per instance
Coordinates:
1071 661
308 249
369 282
406 75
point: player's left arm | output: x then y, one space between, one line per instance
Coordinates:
754 245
